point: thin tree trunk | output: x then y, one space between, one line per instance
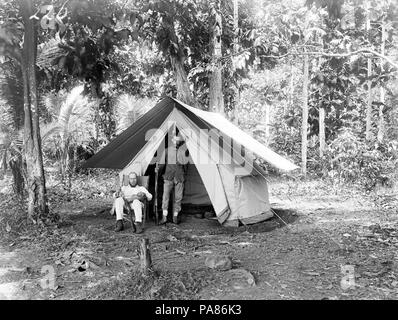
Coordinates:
37 202
368 133
380 133
322 135
267 123
291 91
235 50
94 93
304 125
322 142
216 96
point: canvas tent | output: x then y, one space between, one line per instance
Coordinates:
221 171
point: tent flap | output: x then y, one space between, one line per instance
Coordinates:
219 122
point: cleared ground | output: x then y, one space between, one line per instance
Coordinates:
323 243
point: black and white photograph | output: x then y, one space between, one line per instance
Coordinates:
198 154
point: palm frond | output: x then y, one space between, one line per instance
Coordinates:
72 119
129 109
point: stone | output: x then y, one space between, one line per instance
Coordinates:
218 262
240 279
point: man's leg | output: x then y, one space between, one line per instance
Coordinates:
119 205
179 191
136 205
168 186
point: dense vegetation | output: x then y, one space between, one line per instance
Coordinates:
315 80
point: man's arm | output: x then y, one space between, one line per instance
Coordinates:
133 197
147 194
130 198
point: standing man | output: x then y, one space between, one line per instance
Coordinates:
174 176
132 195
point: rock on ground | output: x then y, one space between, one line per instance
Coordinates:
219 262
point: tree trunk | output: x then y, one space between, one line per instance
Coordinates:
18 177
183 91
235 50
177 58
322 142
304 125
216 95
267 123
380 133
291 91
145 256
368 133
37 202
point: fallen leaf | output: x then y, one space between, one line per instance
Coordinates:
171 238
244 244
224 242
311 273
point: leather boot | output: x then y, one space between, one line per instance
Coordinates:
139 227
164 220
119 225
176 218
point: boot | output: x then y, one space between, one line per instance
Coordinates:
164 220
134 229
176 218
139 227
119 225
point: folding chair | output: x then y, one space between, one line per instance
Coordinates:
144 182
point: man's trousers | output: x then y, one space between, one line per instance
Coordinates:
136 205
179 190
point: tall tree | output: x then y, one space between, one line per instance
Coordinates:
304 123
162 22
216 95
235 51
368 133
12 116
322 129
381 127
177 60
322 136
37 198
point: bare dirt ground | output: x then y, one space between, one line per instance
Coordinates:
304 252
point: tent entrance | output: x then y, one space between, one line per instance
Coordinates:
195 198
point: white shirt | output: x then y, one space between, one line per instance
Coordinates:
129 191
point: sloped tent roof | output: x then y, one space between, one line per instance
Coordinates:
114 155
236 195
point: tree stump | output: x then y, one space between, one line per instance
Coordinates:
145 256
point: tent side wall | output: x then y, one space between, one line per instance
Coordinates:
247 196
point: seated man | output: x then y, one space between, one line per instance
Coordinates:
133 195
